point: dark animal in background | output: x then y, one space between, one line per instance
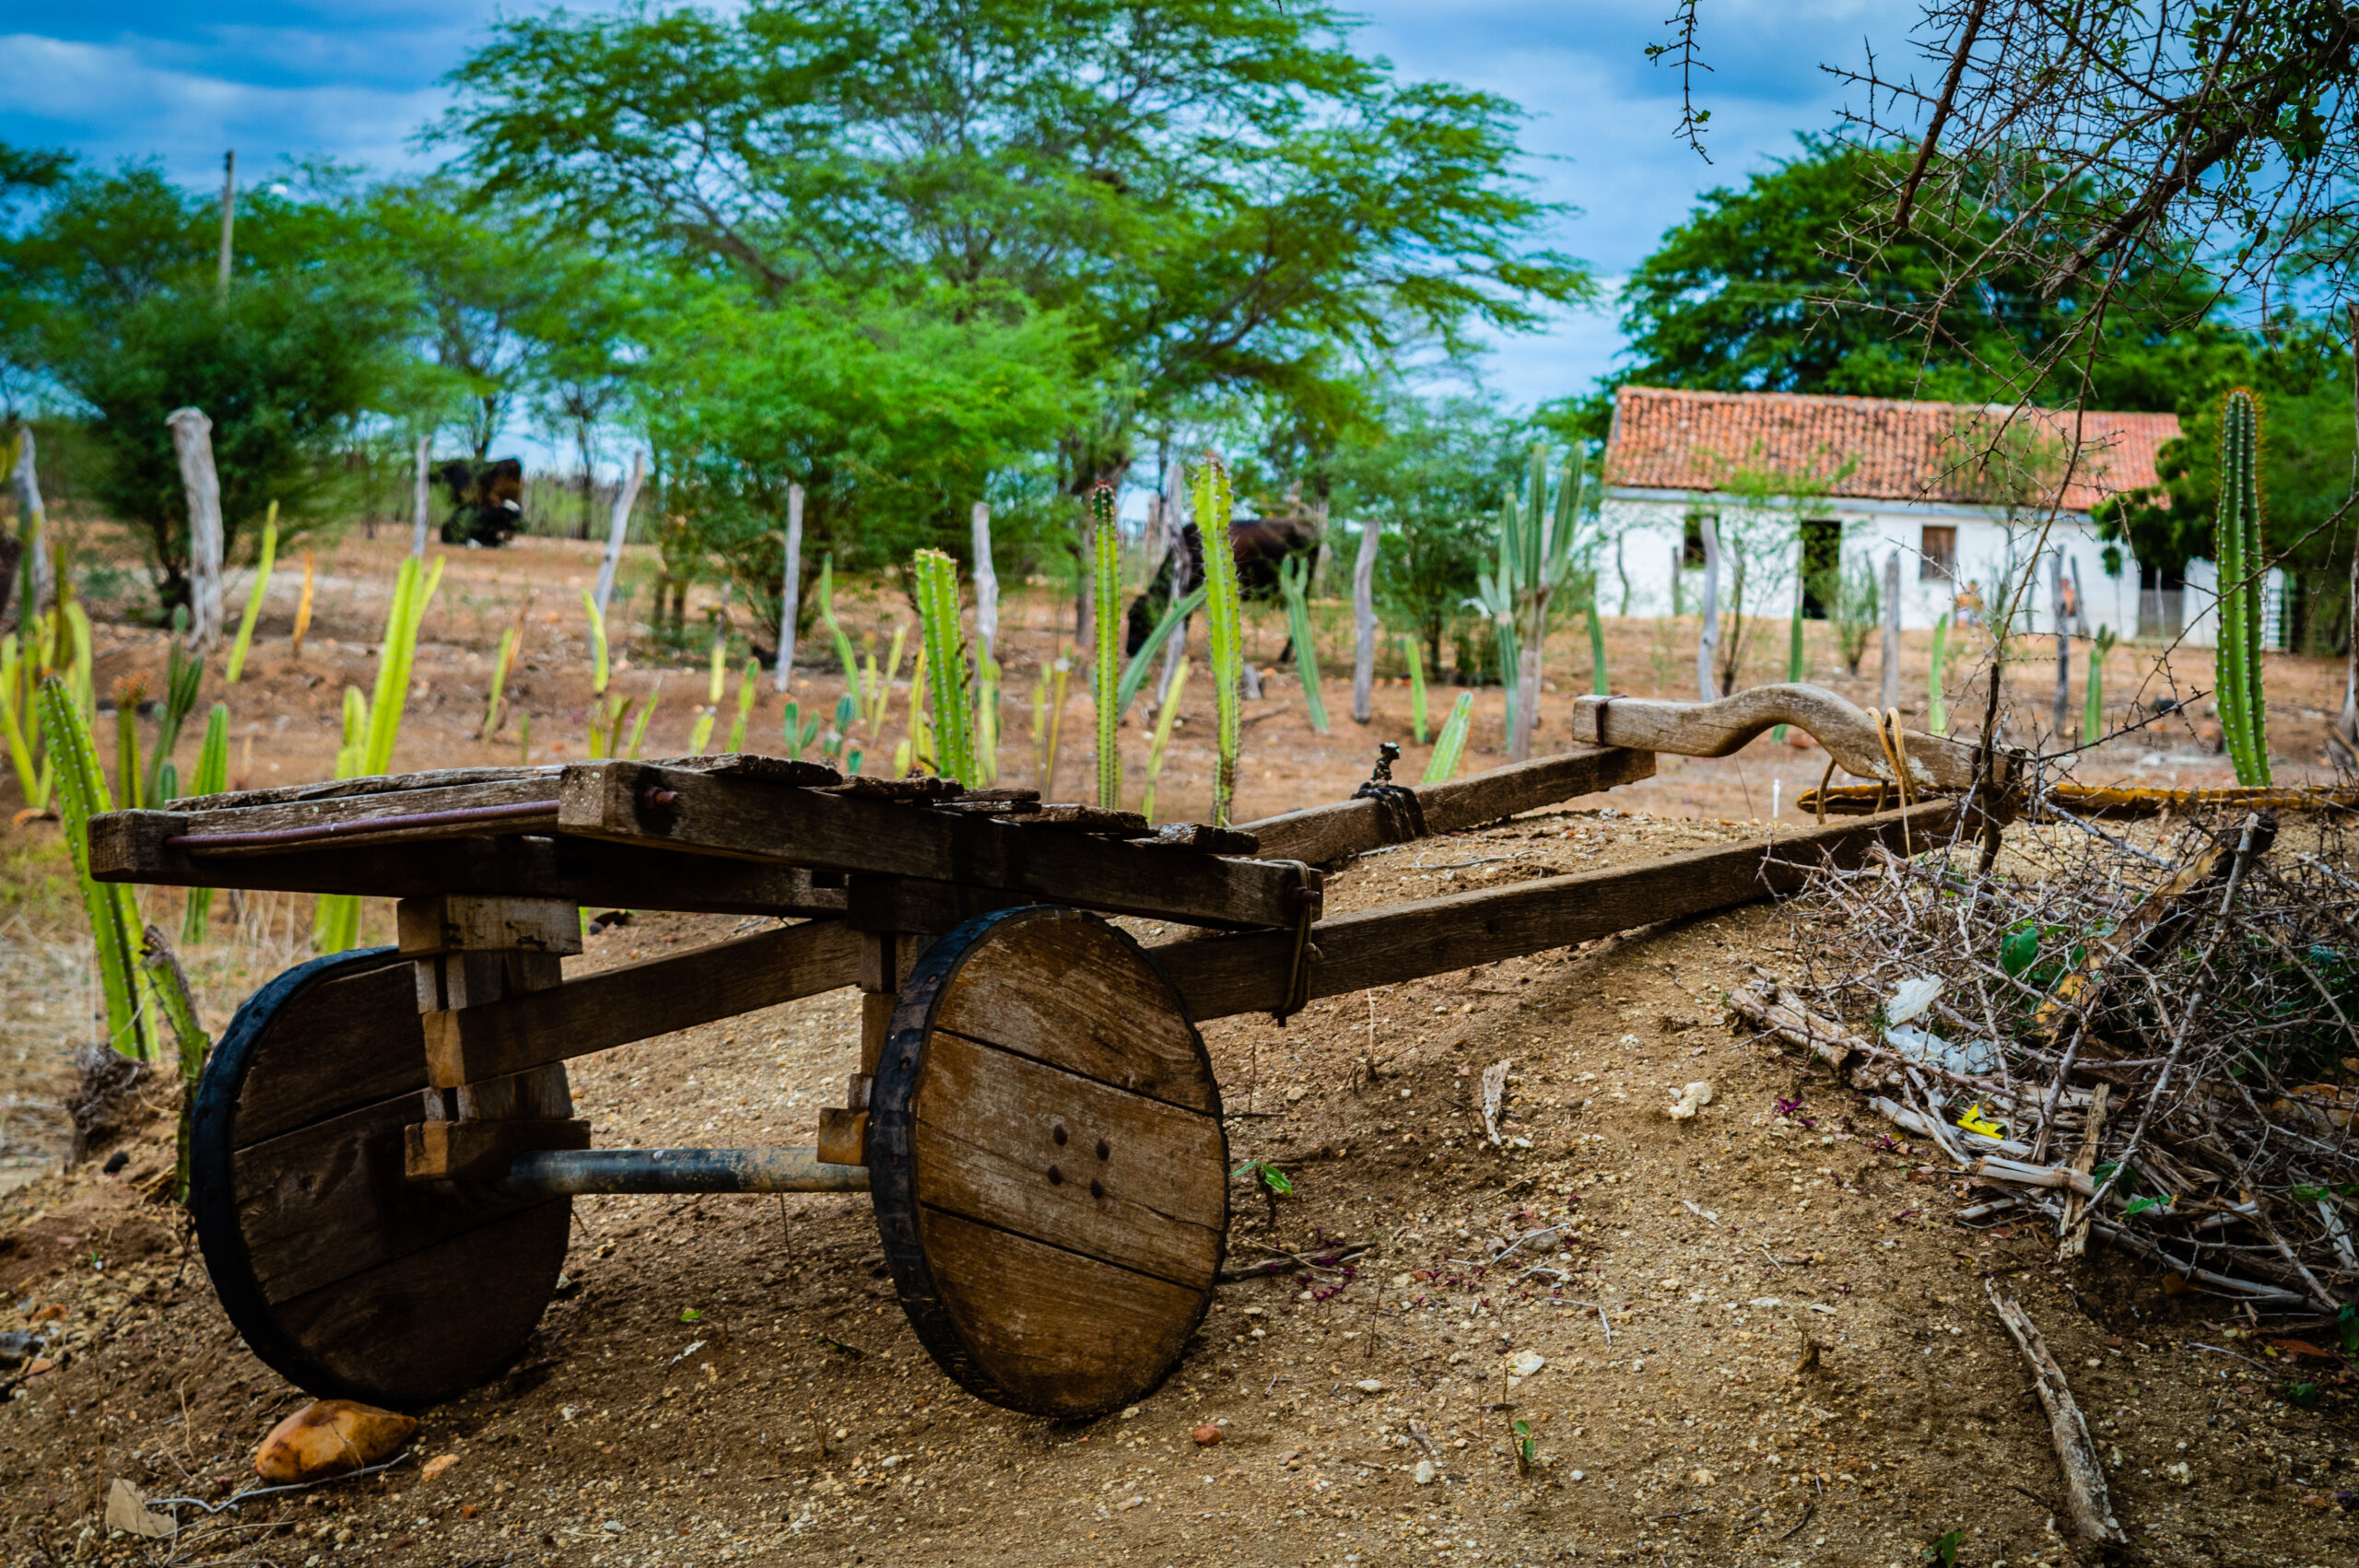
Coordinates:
1259 544
486 502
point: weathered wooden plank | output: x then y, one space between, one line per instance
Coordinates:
455 922
638 1001
375 784
826 831
427 1327
1722 728
1324 834
1247 973
1058 1331
1048 989
1064 1159
337 1046
128 846
213 833
326 1202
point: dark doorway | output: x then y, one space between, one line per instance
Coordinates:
1822 564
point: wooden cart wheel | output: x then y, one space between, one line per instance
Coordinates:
345 1278
1049 1167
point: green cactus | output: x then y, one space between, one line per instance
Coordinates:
1442 767
945 655
1225 630
1537 554
2092 716
1294 584
1416 657
1106 671
114 914
1937 718
2237 552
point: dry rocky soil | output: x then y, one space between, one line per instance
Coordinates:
1758 1336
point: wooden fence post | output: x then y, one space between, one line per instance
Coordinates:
2063 644
32 523
192 443
1892 630
1364 621
1708 638
986 581
421 498
791 590
617 523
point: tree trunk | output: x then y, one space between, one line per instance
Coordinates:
32 526
617 523
192 442
986 581
1364 623
1892 630
421 498
1708 638
791 590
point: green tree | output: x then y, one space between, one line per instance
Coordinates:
110 292
894 416
1429 471
1756 291
1218 195
2301 376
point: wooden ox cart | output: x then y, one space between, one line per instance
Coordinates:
385 1145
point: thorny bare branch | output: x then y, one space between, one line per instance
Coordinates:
2225 1026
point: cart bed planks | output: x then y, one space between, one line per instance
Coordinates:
832 832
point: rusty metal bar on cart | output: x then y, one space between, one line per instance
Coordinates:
557 1172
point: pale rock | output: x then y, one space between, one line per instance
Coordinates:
328 1437
1523 1363
1693 1098
1424 1473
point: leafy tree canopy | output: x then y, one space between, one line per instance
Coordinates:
1218 195
896 415
1754 293
2303 379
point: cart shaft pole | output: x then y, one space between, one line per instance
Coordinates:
554 1172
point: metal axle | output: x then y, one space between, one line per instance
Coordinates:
555 1172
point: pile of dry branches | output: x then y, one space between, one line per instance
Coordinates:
2151 1037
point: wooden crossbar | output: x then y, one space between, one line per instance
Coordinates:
1324 834
1719 729
1247 973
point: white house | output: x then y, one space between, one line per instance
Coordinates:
1958 492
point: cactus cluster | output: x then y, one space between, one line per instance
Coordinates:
2237 552
945 655
1209 496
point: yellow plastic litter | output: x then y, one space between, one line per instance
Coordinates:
1974 1121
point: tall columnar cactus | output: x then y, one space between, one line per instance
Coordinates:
1537 555
1225 626
1294 585
1105 673
114 914
2237 553
946 661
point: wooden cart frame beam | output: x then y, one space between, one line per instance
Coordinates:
1247 973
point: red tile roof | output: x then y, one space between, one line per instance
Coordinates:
1665 439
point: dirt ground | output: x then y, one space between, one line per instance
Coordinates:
1762 1333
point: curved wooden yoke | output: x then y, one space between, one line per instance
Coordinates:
1934 763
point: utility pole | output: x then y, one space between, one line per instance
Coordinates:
228 218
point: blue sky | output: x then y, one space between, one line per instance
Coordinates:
112 78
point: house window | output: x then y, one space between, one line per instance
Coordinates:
1690 543
1937 556
1822 565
